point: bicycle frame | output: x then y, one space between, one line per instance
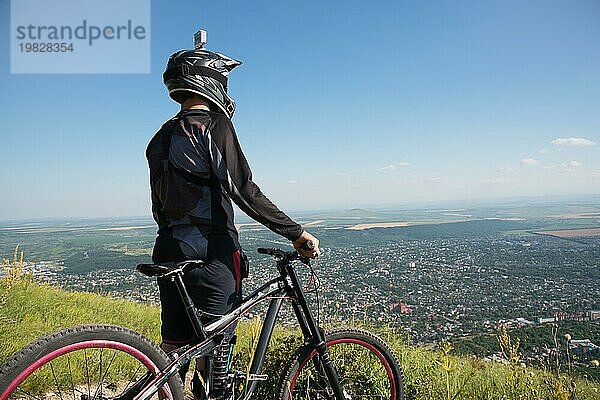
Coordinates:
286 286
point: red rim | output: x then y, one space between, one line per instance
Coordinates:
84 345
369 346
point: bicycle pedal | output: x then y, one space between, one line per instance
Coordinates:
258 377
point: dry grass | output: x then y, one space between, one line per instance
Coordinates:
570 233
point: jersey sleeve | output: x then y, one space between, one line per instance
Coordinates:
232 169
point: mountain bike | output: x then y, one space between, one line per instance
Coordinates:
105 362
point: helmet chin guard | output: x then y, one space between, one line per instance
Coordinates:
201 72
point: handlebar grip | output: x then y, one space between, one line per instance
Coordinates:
308 245
262 250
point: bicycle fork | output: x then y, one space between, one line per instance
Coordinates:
310 329
334 388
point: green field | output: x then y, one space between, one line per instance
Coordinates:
87 245
29 310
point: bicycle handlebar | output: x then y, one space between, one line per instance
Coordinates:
278 253
287 255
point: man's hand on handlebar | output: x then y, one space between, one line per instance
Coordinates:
305 250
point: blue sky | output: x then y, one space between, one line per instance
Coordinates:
340 104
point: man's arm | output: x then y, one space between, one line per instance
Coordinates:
233 171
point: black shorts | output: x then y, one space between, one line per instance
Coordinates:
215 288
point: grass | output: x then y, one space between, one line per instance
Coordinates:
29 310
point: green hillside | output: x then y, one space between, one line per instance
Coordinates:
535 339
29 310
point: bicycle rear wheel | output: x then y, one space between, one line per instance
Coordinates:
366 366
84 363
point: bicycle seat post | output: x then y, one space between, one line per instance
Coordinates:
189 306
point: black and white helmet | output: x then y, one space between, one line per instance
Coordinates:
201 72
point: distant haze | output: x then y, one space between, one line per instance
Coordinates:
419 102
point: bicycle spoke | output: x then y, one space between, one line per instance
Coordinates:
56 380
87 373
100 374
46 387
28 394
105 372
131 378
112 360
99 387
363 368
85 365
71 375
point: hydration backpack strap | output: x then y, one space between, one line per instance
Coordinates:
169 166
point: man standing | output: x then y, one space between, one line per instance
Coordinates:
196 169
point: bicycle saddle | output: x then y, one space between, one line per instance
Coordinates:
154 269
161 269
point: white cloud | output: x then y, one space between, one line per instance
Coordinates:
496 180
544 151
573 142
572 164
437 179
292 182
393 167
530 162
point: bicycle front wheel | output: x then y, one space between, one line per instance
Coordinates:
366 366
86 362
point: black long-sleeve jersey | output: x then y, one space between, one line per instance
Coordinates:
196 168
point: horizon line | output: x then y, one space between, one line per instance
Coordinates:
381 206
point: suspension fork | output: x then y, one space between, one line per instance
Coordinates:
312 330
